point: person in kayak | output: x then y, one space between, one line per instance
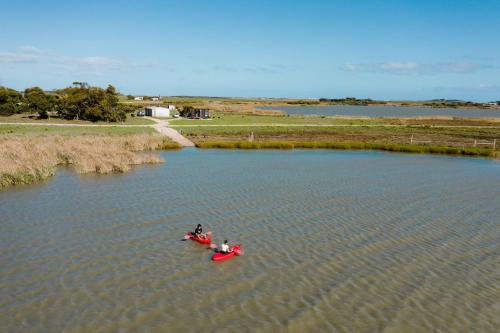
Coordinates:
198 232
224 248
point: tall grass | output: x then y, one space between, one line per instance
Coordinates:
350 145
28 159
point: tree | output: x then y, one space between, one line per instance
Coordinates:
82 101
37 101
10 101
130 97
74 101
186 111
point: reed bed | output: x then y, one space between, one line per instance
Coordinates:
350 145
32 158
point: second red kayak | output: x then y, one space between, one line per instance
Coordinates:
219 256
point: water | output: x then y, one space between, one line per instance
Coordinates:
386 111
334 241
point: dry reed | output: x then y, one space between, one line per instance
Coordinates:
28 159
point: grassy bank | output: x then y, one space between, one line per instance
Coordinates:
350 145
32 119
27 159
457 137
74 130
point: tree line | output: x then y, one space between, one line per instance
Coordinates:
79 101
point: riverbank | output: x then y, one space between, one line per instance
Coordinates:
31 152
483 152
31 158
444 135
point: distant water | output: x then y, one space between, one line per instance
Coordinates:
334 241
385 111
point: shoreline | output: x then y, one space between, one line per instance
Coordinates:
32 151
353 145
31 174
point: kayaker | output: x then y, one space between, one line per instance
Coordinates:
224 248
198 232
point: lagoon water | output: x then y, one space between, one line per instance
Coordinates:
387 111
334 241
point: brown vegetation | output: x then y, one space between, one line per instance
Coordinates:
31 158
459 137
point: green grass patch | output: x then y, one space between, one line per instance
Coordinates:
68 130
169 145
221 119
304 133
27 118
350 146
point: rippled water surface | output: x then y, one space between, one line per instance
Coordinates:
334 241
387 111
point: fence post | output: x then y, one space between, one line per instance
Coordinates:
494 143
411 140
475 142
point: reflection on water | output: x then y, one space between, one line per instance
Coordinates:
387 111
334 241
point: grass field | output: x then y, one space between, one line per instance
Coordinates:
254 120
443 131
25 118
239 118
77 130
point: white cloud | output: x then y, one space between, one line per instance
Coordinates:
410 67
399 66
30 49
99 61
94 64
17 57
253 69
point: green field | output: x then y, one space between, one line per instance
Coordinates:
67 130
254 120
368 133
25 118
239 118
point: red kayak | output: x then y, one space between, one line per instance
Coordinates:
219 256
208 240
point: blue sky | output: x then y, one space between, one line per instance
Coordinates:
305 49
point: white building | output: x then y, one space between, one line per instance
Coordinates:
171 107
157 111
138 98
155 99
